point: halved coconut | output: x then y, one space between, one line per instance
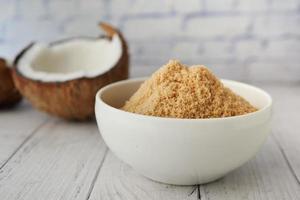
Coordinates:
63 77
9 95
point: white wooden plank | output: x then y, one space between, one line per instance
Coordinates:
16 125
266 177
274 174
58 162
286 123
117 180
62 159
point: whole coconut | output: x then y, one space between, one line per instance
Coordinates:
9 95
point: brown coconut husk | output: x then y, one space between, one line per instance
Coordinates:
9 95
72 99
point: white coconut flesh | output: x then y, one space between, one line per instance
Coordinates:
71 59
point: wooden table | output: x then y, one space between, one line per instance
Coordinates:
42 157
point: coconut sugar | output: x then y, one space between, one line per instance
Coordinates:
178 91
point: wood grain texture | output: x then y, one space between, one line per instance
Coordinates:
17 125
64 160
265 177
59 162
117 180
286 123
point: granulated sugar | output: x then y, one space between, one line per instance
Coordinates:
178 91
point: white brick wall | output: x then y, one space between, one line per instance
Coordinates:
253 5
216 6
271 26
182 7
212 27
149 28
250 40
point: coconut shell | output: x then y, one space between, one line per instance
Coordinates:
9 95
73 99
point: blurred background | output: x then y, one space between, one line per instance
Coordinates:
249 40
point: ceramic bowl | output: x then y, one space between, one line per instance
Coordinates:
182 151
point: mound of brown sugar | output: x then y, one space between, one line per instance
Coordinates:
178 91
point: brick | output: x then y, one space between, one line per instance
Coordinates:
248 49
154 52
62 10
156 48
272 71
8 11
154 61
132 7
36 30
276 26
92 7
142 71
226 69
187 50
119 7
214 26
146 6
34 9
283 48
289 5
159 52
9 50
216 5
180 6
287 49
252 5
136 48
2 32
217 50
75 28
152 28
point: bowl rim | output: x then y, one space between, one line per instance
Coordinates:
139 79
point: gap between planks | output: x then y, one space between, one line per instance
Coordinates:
24 142
96 175
286 159
61 160
196 189
266 176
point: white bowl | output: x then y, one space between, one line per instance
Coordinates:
182 151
